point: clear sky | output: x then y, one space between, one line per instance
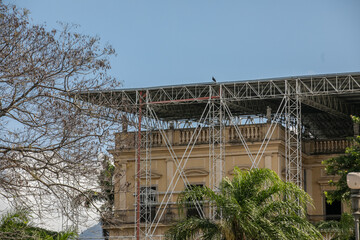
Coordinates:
165 42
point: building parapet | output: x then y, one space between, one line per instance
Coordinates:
178 137
251 133
327 146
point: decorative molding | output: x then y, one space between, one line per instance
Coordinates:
324 186
325 180
241 167
324 174
196 172
154 175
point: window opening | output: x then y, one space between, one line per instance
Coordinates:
333 210
148 200
191 210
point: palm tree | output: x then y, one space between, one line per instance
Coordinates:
255 204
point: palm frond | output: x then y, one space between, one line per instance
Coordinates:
191 228
255 204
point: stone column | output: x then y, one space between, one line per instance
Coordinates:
268 114
268 163
169 173
123 187
169 170
356 129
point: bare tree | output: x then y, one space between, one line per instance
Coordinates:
48 142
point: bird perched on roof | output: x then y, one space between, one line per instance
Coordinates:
214 80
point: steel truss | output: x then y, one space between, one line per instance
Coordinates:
310 86
179 173
215 114
216 144
144 193
147 229
329 97
293 131
214 106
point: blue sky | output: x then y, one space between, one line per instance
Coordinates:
174 42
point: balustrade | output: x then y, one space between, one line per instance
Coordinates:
330 146
250 132
253 132
156 139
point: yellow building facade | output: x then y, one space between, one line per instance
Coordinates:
197 170
315 111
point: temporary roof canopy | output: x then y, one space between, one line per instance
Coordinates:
327 101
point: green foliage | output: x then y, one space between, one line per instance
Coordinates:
341 166
256 204
106 193
105 196
16 225
355 119
341 230
106 184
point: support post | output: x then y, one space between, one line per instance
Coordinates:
353 182
357 227
293 133
355 205
145 194
138 159
216 143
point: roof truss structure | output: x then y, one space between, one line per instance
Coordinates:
332 98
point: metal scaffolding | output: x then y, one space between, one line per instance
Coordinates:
317 105
293 130
143 166
216 143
